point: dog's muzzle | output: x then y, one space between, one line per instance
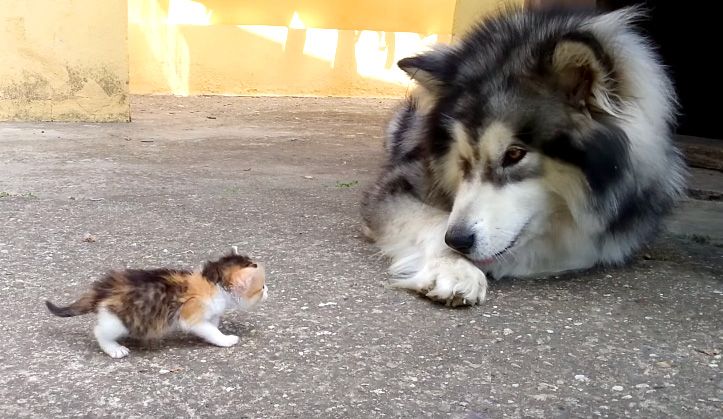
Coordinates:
460 239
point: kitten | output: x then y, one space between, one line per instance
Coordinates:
146 304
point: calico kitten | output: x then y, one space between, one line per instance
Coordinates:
146 304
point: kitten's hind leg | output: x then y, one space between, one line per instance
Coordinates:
215 320
212 335
108 330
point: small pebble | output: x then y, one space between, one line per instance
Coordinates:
617 388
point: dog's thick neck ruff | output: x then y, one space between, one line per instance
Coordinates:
541 142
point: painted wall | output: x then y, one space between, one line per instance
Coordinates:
64 60
68 60
468 12
285 47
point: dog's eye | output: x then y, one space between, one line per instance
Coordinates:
513 155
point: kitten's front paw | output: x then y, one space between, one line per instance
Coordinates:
118 352
449 279
228 340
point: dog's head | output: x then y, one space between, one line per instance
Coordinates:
522 131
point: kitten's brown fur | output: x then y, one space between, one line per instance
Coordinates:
149 303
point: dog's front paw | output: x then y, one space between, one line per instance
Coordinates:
457 282
452 280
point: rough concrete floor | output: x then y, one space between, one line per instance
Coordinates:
278 177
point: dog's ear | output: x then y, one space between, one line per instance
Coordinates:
583 72
433 69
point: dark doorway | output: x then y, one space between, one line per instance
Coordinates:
684 32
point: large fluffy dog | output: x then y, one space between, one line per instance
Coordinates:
540 143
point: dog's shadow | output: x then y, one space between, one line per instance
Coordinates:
570 280
667 249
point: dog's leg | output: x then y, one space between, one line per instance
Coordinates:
412 235
410 232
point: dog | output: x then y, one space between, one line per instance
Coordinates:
540 143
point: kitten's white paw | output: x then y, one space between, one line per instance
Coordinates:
449 279
118 352
228 340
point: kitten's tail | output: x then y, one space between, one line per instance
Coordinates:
84 305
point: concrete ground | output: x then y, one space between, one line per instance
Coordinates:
282 178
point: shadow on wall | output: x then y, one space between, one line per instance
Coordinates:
417 16
175 48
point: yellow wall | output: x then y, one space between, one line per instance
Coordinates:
418 16
468 12
64 60
280 47
287 47
69 60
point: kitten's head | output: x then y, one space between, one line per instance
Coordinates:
244 279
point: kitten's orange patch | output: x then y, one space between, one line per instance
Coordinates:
257 281
194 301
247 282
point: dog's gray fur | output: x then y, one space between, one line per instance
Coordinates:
585 101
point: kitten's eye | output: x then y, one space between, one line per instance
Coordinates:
513 155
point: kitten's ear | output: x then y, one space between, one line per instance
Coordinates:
234 250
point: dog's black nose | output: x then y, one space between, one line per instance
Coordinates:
460 240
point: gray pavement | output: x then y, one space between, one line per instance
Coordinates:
282 178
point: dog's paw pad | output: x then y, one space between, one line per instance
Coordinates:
457 282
